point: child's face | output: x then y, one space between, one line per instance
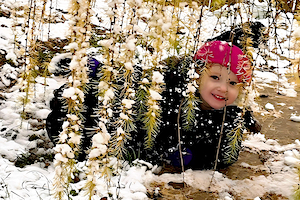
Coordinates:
217 87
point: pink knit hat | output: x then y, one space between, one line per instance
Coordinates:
227 55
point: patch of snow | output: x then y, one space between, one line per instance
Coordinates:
295 118
269 106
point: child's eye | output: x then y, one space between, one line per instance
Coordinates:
233 83
214 77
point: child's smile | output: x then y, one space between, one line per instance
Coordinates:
218 87
219 97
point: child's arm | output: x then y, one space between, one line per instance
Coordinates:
251 123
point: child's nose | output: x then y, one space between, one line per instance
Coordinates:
222 87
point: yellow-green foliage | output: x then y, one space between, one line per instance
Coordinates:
65 170
191 99
234 138
36 59
191 102
296 195
152 123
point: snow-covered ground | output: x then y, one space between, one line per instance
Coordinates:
35 181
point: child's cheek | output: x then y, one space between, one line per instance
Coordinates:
235 94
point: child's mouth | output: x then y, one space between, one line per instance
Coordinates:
218 97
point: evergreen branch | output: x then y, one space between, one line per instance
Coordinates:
152 124
118 144
190 103
296 194
141 97
234 137
186 64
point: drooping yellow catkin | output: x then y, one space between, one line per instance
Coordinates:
70 137
33 15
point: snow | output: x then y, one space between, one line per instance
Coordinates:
269 106
124 116
191 88
131 44
56 59
155 95
42 113
35 181
129 66
295 118
128 103
101 149
157 77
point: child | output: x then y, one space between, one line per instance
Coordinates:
213 133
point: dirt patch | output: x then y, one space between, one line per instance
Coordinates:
276 124
248 165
